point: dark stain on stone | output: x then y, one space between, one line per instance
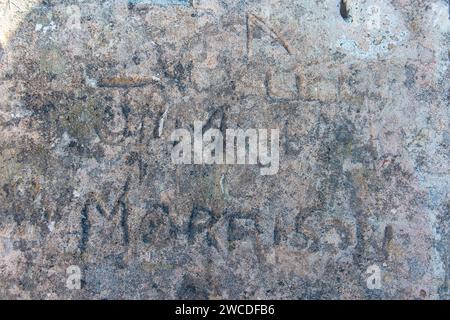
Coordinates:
136 59
156 227
125 83
132 158
143 169
176 72
216 120
278 233
388 236
345 11
201 219
124 222
126 112
85 227
131 5
192 289
100 210
240 229
410 74
157 124
181 73
359 253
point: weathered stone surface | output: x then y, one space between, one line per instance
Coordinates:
92 90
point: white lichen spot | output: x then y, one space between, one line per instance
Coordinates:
161 122
91 82
222 186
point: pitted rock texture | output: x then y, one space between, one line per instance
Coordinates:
92 90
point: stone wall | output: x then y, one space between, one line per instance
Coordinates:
91 92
